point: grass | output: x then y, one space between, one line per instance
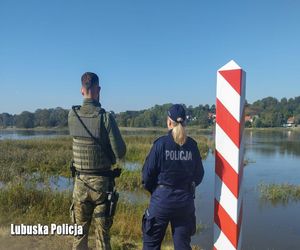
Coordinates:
46 157
279 193
23 203
138 147
24 164
129 180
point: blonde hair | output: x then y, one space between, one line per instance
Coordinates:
178 132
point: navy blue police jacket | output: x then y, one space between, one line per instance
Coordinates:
169 171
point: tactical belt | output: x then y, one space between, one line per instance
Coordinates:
105 173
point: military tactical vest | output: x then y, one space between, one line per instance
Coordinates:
88 155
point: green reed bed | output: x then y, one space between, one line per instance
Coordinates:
20 203
138 147
280 193
127 221
24 203
46 156
129 180
26 197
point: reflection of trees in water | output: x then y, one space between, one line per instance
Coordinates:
283 148
290 148
272 142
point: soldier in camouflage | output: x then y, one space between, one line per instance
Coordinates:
97 142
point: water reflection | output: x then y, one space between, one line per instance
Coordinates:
60 183
270 143
132 166
30 134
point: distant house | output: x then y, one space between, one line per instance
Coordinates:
212 117
290 122
248 118
191 118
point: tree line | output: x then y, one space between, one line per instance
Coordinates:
267 112
47 118
202 115
270 112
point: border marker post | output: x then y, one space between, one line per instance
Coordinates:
229 156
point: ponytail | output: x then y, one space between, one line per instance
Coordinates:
179 133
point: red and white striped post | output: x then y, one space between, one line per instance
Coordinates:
229 155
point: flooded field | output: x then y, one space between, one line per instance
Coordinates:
273 157
30 134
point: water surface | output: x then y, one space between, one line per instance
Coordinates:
274 158
30 134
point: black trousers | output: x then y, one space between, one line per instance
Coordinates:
156 220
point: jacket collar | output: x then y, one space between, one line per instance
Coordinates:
90 101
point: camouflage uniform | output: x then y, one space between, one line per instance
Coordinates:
90 191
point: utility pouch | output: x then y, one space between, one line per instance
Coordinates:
72 168
112 200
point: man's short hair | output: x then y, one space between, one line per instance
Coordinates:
89 79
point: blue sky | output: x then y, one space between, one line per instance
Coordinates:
145 52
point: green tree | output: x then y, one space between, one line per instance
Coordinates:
6 120
25 120
42 118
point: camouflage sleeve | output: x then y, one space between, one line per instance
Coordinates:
117 143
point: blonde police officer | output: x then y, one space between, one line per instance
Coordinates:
170 173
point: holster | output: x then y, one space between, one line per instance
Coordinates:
112 200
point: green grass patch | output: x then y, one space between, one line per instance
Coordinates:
129 180
138 147
46 156
279 193
23 203
28 164
51 157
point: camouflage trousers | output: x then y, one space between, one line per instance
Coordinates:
90 200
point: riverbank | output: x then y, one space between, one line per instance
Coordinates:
146 131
